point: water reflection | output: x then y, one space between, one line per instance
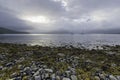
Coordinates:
61 39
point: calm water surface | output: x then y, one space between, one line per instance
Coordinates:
61 39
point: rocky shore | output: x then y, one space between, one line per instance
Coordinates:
23 62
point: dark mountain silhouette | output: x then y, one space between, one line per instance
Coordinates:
9 31
106 31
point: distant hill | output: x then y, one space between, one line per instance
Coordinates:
107 31
9 31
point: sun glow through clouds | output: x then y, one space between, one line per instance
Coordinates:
37 19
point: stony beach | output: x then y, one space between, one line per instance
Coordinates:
25 62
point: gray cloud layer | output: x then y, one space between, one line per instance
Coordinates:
71 15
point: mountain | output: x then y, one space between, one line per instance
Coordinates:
106 31
9 31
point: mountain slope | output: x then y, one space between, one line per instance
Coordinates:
9 31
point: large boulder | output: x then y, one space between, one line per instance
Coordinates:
118 77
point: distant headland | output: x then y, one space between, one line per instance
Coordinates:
9 31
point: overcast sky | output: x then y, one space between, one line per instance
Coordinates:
71 15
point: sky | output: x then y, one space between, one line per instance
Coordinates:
37 16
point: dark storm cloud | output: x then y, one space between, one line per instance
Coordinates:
33 6
9 20
72 15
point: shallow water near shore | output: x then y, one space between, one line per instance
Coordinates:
61 39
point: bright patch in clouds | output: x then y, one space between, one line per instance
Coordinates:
37 19
99 16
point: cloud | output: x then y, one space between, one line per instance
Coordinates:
72 15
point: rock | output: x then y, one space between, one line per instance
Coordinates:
111 53
88 61
9 64
14 75
73 71
34 68
102 76
113 65
37 73
97 78
73 77
112 77
1 75
53 76
2 57
66 79
76 57
44 66
17 78
20 67
118 77
1 67
49 70
68 73
107 79
46 75
25 78
57 78
79 77
21 59
24 74
37 77
61 54
26 69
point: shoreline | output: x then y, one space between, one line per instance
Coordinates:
22 61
